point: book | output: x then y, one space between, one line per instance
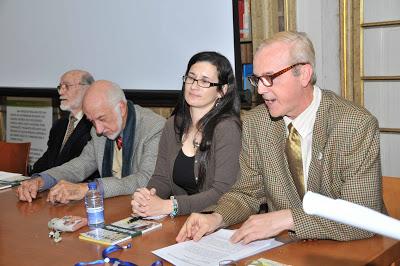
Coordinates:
134 226
212 249
104 236
120 231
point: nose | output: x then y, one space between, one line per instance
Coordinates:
261 88
99 128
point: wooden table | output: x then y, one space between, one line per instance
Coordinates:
24 239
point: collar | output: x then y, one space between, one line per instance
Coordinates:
78 116
304 123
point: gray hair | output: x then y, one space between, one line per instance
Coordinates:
87 78
115 94
302 48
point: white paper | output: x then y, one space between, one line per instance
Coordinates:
10 177
212 249
351 214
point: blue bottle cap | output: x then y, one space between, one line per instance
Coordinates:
92 185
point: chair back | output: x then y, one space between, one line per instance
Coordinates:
14 157
391 192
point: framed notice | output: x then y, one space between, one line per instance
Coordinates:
29 120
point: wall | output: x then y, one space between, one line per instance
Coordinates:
320 20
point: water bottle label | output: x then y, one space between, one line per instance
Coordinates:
95 215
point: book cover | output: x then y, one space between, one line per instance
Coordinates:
120 231
104 236
134 226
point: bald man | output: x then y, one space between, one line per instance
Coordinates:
123 149
69 134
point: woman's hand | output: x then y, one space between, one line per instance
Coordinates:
145 203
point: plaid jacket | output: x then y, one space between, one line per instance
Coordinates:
345 164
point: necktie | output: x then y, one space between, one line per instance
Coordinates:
119 142
293 153
70 129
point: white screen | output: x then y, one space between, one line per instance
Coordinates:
139 44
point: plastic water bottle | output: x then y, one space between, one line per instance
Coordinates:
94 206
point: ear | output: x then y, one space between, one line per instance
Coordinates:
224 90
306 73
123 107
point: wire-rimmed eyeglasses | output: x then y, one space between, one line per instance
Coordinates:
267 80
67 86
202 83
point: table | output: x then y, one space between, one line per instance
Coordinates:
24 239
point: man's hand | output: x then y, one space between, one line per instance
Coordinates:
28 189
65 191
263 226
145 203
198 225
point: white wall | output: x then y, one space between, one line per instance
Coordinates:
320 20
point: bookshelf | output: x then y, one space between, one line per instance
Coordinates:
258 20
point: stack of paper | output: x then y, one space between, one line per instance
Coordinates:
8 180
212 249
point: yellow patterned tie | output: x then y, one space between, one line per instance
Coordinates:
70 129
293 153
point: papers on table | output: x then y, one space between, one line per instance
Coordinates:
212 249
352 214
8 180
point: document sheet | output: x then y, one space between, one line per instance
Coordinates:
349 213
212 249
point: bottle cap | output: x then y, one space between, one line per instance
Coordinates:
92 185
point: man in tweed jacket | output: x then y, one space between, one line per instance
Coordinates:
122 170
339 150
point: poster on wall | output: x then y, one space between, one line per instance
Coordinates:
29 120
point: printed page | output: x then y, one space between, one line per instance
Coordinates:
212 249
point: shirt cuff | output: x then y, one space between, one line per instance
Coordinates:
48 181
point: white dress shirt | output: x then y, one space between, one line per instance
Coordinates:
304 124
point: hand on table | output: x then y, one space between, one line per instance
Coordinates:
66 191
146 203
198 225
28 189
262 226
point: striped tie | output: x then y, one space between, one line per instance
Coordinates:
70 129
293 153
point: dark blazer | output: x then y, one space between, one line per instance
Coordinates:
72 148
345 165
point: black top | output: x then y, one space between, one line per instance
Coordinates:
183 174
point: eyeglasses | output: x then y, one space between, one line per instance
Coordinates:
67 86
200 82
267 80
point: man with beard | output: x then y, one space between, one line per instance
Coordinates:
69 134
123 149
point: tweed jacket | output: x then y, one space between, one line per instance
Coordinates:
145 146
53 156
222 168
345 164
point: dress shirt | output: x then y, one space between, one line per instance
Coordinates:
304 124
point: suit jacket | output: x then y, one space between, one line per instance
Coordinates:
73 147
345 164
222 167
148 130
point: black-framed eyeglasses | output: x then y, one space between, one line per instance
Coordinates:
67 86
202 83
267 80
